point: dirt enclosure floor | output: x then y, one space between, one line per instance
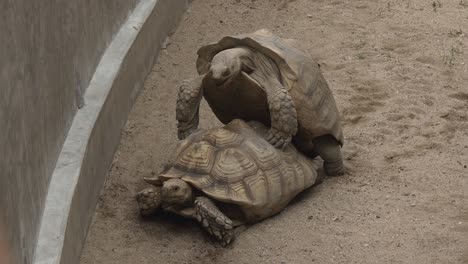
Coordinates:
399 72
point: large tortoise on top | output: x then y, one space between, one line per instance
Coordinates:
262 77
228 176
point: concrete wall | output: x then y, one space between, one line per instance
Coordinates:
95 132
49 50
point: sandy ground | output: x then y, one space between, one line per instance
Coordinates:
399 73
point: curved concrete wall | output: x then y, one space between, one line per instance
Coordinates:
49 51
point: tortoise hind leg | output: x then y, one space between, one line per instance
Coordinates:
329 149
213 220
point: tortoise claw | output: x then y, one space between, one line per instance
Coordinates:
277 138
279 143
269 137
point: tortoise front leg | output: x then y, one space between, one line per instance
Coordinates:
213 220
188 105
283 115
282 110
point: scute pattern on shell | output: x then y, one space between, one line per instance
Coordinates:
198 158
243 169
232 165
223 138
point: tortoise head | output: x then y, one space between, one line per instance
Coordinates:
176 192
229 63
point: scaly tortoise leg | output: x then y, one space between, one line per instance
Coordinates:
283 116
329 149
149 200
282 110
187 106
213 220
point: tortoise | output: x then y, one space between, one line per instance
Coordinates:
262 77
228 177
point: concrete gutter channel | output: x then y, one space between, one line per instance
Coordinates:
95 132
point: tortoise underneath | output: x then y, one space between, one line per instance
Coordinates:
229 176
262 77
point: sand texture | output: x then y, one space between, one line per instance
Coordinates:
399 73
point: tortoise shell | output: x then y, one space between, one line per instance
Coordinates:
317 113
235 165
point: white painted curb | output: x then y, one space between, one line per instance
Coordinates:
95 132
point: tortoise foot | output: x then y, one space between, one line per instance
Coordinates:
283 118
278 138
149 200
184 133
329 149
334 168
214 221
